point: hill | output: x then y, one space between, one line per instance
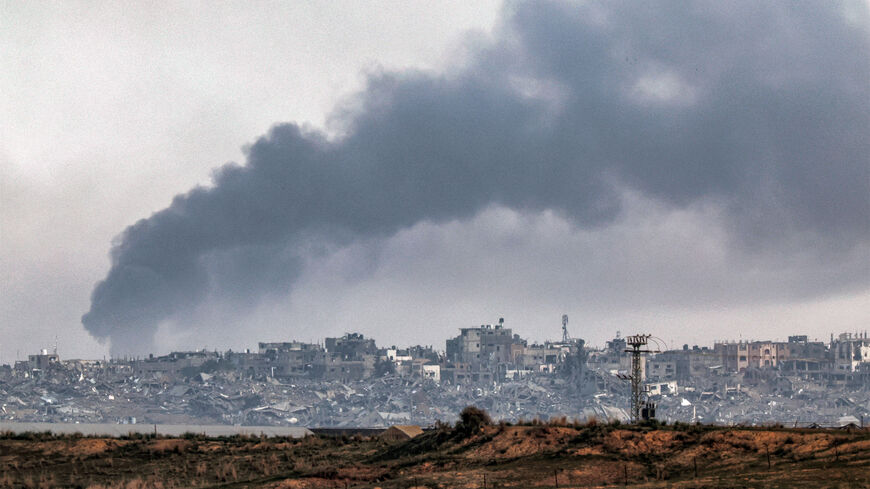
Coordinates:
491 456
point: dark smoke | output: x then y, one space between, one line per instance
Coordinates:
763 108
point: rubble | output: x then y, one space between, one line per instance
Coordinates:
386 387
227 398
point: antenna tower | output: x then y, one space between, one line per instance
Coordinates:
637 344
565 337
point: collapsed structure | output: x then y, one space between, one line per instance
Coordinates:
351 381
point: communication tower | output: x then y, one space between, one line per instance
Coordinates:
638 343
565 337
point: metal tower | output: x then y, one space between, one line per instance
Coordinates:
565 337
637 342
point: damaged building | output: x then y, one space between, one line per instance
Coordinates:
349 381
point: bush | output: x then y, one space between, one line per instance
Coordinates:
561 421
472 420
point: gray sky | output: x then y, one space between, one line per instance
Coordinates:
695 172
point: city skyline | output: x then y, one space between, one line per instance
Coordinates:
663 344
693 171
306 384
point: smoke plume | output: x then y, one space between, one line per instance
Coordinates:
760 108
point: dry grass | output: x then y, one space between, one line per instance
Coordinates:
534 455
6 479
226 472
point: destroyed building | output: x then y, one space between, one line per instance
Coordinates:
613 358
288 359
348 358
174 366
349 381
483 353
850 353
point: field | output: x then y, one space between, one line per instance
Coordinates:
492 456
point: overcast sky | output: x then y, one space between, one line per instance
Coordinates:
404 169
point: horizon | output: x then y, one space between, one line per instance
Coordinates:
203 174
321 342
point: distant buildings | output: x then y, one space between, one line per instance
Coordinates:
490 353
612 359
173 365
738 356
479 354
350 381
493 353
36 364
42 361
291 359
850 353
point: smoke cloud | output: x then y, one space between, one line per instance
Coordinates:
760 109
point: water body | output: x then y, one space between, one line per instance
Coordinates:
116 430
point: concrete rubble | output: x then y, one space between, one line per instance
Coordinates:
226 398
356 384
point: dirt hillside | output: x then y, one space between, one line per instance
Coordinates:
499 456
